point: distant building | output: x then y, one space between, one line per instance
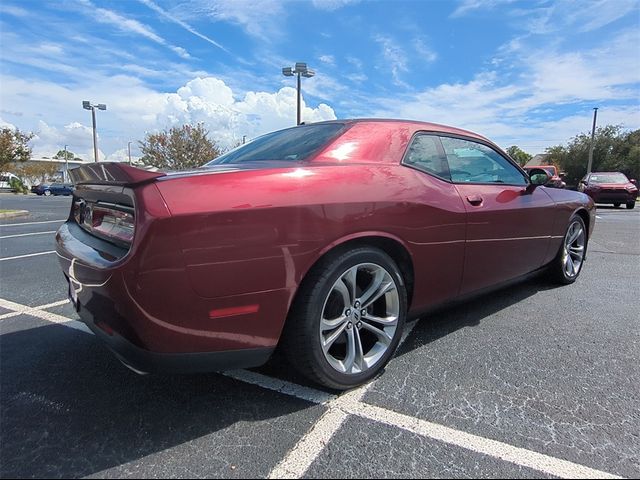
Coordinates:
539 159
61 172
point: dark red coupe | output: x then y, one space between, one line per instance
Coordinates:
323 238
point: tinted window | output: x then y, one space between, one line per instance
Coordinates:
424 154
293 144
472 162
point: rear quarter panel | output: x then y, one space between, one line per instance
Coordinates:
262 231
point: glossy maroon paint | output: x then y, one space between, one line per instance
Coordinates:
219 255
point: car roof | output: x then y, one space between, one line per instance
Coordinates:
434 127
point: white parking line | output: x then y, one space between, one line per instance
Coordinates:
28 234
48 316
339 407
30 223
310 446
27 255
39 307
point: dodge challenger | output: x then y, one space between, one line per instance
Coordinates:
321 240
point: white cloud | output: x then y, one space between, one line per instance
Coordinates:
13 10
467 6
208 100
394 58
332 5
260 18
328 59
425 51
109 17
184 25
4 124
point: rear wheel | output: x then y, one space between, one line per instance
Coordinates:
616 205
630 205
567 265
347 319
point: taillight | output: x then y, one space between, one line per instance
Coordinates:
111 222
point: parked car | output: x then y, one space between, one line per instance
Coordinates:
323 238
555 180
610 187
5 180
53 189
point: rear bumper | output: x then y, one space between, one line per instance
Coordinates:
145 361
150 318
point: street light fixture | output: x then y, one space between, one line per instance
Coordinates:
301 69
87 105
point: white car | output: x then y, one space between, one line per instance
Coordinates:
5 180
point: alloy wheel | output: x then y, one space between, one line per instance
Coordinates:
359 318
573 255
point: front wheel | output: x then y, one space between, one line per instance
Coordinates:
630 205
47 192
567 265
347 319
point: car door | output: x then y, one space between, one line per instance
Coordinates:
509 222
439 223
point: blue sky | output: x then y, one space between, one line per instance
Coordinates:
520 72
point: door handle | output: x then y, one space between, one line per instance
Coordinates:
474 199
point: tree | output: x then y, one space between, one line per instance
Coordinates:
36 172
14 147
613 150
179 148
61 155
518 155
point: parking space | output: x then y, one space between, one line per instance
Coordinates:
529 381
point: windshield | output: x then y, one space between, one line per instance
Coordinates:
609 178
293 144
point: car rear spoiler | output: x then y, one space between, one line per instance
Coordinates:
111 173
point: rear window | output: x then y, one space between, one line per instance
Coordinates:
293 144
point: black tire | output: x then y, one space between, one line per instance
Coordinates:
631 205
301 336
616 205
557 271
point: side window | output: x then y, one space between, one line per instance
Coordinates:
472 162
424 154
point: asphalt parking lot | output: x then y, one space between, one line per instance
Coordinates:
530 381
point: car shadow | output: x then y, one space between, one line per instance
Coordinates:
70 409
472 312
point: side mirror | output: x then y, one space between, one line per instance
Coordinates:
539 176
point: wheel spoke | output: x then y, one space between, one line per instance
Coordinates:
330 340
574 234
570 267
384 337
386 321
326 324
359 360
380 285
343 290
351 351
349 279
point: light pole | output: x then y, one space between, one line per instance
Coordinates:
66 166
129 148
87 105
300 69
593 133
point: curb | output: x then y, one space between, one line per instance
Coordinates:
14 213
